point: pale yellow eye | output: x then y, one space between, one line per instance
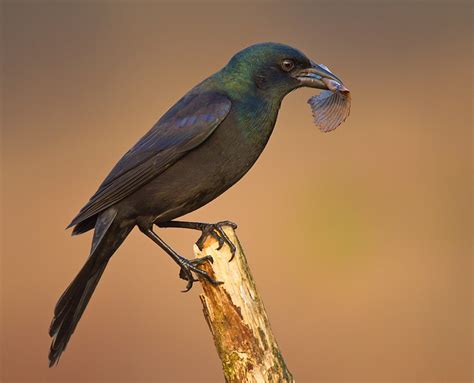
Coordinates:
287 65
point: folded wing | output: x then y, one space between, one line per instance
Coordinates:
184 127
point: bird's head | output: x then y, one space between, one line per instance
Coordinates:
275 68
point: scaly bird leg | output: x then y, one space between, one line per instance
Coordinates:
213 229
187 266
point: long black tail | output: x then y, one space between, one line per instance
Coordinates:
108 236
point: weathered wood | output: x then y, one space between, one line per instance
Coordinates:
237 319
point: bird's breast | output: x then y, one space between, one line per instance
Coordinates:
241 138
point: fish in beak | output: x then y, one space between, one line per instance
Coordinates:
332 106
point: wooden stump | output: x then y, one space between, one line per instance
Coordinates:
237 319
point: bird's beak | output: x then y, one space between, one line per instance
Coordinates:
316 76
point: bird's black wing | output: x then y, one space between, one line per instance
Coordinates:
185 126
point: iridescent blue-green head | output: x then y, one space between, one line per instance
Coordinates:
274 69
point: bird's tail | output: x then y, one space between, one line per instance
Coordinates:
108 236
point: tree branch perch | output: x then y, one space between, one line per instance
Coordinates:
237 319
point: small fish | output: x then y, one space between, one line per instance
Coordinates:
331 107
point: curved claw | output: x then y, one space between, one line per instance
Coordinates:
189 286
221 242
190 265
217 237
227 240
217 232
186 275
200 241
183 274
232 251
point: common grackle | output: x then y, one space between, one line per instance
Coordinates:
200 147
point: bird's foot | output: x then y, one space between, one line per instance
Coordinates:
213 229
188 266
216 231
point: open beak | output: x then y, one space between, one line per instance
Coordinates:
317 76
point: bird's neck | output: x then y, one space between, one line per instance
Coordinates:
241 86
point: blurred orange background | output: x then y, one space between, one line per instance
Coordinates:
360 240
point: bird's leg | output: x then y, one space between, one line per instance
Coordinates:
187 266
213 229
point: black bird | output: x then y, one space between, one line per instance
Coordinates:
202 146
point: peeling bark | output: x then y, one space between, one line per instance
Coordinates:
237 319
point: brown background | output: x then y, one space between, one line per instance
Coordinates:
359 240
